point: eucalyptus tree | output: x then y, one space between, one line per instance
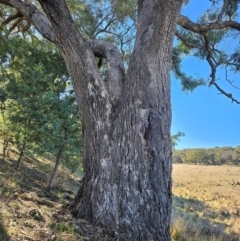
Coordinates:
126 116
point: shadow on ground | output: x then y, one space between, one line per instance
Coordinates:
196 219
3 233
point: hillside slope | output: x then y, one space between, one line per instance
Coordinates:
29 212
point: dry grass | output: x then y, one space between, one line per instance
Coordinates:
28 212
206 203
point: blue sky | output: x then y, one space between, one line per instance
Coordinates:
207 118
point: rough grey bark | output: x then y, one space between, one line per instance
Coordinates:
127 147
126 120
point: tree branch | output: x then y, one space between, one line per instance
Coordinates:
203 29
115 68
228 80
30 11
11 18
186 42
214 66
186 23
14 25
229 95
210 58
6 2
223 10
112 19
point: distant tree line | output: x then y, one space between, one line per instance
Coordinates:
208 156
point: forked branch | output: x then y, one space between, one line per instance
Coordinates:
115 68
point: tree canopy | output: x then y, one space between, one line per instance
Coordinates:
115 21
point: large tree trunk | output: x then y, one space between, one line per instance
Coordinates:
126 123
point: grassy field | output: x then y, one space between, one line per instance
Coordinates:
206 203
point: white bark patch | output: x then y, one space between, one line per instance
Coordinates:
105 138
99 124
104 162
90 87
108 112
103 92
144 113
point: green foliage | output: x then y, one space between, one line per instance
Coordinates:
208 156
188 82
235 155
209 46
232 8
110 20
40 107
195 156
176 138
64 227
115 21
124 8
84 16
